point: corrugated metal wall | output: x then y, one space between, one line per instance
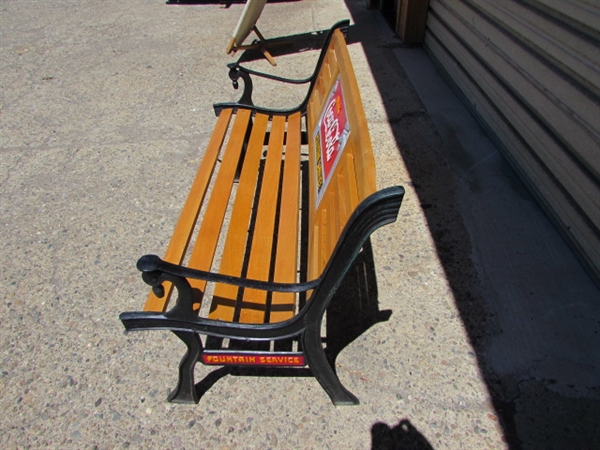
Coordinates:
530 71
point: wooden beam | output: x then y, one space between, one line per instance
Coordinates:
411 20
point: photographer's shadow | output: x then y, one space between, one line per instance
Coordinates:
403 436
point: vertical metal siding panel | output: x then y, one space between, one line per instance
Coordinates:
582 14
560 140
534 80
576 55
535 175
569 108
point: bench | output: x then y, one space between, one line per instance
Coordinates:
287 199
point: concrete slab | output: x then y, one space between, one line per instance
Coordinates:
542 349
106 109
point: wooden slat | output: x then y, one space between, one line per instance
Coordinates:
208 235
312 118
318 228
189 215
356 169
259 263
323 234
347 189
347 194
318 99
282 304
313 249
350 188
338 205
327 72
345 205
333 213
225 295
365 166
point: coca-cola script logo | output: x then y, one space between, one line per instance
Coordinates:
330 137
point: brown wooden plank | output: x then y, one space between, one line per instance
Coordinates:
331 67
350 188
319 226
283 304
333 212
347 196
189 215
322 238
208 235
317 97
345 206
357 172
411 20
365 167
232 260
259 262
313 248
311 117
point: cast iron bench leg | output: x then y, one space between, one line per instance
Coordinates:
185 392
322 370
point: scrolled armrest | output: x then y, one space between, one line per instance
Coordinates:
152 265
237 71
234 68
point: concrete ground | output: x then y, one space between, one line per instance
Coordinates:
493 339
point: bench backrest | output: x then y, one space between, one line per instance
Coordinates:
341 162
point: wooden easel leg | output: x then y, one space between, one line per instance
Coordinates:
260 44
263 47
269 56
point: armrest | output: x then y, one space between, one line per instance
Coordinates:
237 71
236 68
183 316
152 267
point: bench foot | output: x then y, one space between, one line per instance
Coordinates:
185 392
322 370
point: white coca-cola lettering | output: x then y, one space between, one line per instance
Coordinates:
332 130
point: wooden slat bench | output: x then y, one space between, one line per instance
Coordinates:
269 256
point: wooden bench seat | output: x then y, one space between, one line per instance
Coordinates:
281 205
265 201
